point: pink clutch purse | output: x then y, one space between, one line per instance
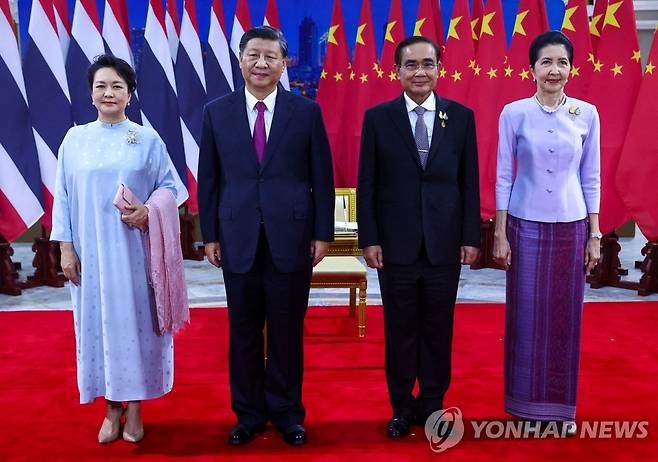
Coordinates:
124 197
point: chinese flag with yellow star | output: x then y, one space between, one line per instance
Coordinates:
486 79
477 10
530 21
598 15
332 87
613 90
455 74
637 172
394 34
428 21
362 86
575 25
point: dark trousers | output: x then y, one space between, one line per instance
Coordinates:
419 303
273 392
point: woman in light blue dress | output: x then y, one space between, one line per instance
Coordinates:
119 354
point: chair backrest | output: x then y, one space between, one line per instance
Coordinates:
345 211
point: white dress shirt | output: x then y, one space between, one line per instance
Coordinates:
252 113
430 113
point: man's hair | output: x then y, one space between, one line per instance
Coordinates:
265 33
411 41
552 37
119 65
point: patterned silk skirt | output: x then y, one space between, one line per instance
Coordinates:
545 291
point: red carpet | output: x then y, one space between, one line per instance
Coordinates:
344 392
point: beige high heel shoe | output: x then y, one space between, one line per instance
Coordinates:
135 436
109 431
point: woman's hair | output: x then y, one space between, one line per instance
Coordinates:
119 65
552 37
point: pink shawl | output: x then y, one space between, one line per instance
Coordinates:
165 261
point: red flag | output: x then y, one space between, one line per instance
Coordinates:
332 89
391 88
477 12
600 7
485 84
575 26
428 21
362 93
637 171
459 56
613 89
530 21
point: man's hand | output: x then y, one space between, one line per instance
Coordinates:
70 262
139 218
319 250
469 254
213 253
374 257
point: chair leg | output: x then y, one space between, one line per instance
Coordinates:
352 301
362 310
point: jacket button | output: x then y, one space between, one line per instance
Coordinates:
549 170
549 190
551 150
550 130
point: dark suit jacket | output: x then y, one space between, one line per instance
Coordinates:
399 205
291 193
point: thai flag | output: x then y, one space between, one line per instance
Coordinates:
158 95
272 19
172 24
191 94
63 25
47 94
217 64
116 33
241 24
86 44
20 183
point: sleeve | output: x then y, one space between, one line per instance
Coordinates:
164 174
322 180
61 215
505 160
209 176
470 186
366 191
590 165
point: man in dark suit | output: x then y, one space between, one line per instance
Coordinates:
266 206
418 215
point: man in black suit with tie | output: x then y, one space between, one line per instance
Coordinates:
266 206
418 215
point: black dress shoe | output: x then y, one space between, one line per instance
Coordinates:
398 427
295 435
242 434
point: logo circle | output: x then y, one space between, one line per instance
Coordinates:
444 428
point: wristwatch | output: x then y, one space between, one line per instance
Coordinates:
594 235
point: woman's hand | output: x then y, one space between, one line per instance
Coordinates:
502 253
139 218
70 262
592 254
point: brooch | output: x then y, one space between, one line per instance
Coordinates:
443 116
131 137
574 110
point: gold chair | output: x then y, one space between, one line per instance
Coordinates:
340 268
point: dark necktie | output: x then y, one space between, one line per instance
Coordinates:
259 131
420 135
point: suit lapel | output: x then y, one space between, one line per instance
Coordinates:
238 117
283 110
438 131
401 121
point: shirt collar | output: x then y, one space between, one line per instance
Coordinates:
270 100
429 104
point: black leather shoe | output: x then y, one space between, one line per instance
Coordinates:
295 435
243 434
398 427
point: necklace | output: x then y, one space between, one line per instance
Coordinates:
550 109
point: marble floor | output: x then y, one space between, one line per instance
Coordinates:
206 287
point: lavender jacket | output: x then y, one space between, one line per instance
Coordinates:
557 159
